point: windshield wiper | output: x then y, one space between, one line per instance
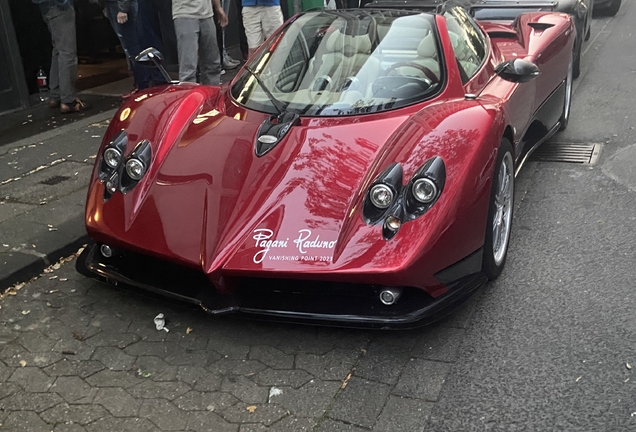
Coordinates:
280 107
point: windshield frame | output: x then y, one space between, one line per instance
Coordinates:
238 85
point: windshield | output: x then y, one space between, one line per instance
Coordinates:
345 62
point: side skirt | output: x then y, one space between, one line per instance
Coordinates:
536 146
550 110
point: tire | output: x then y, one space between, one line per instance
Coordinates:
500 209
576 67
567 103
608 11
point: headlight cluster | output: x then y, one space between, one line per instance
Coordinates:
123 173
391 203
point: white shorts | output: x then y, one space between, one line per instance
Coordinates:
260 22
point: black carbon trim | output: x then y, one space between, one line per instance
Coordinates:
461 269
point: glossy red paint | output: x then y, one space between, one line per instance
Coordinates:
208 202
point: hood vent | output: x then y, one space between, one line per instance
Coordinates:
273 130
540 26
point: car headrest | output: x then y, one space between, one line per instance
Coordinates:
459 45
348 45
427 47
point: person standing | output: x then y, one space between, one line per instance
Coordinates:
261 18
156 29
59 16
122 15
227 61
196 39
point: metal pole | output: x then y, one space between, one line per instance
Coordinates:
298 6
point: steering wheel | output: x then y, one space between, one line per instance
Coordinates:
426 71
399 86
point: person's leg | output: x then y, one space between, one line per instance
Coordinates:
54 79
272 19
148 27
187 32
253 31
209 55
61 24
219 33
226 60
127 35
242 37
226 8
168 36
148 35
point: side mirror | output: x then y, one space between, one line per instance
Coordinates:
517 70
152 57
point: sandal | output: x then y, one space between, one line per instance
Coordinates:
76 106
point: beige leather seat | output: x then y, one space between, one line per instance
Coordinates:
426 56
345 56
464 54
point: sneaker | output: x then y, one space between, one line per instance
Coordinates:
76 106
230 63
54 103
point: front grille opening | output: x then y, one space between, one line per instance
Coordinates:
325 298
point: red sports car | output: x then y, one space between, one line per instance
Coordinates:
359 170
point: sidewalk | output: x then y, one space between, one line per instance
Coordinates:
43 183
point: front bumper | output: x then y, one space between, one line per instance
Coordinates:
308 301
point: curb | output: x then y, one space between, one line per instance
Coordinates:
22 265
27 270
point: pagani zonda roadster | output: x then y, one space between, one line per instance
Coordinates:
359 170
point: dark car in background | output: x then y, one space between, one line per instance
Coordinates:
606 7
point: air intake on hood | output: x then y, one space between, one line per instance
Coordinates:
540 26
273 130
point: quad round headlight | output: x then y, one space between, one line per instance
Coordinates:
381 196
112 157
135 169
424 190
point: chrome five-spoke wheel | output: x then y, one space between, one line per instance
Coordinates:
502 218
500 211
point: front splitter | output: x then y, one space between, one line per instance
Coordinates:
340 305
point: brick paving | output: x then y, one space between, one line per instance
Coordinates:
79 355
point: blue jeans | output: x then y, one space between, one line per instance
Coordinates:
156 29
127 34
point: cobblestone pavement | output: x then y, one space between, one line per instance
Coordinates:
80 355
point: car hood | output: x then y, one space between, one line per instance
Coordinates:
209 202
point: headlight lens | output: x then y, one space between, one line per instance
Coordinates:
381 196
111 186
135 169
424 190
112 157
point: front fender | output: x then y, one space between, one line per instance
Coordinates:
161 115
466 134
